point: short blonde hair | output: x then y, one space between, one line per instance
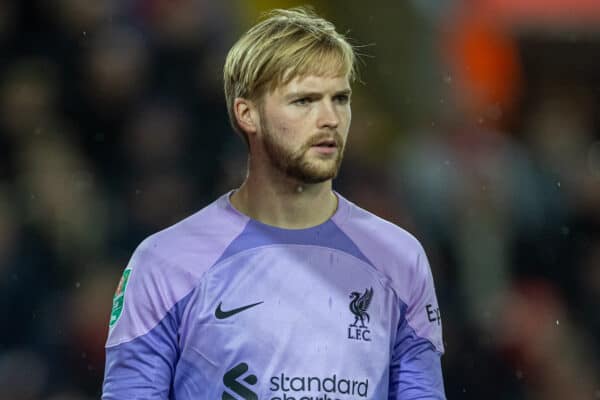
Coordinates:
286 44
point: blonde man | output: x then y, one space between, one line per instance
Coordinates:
281 289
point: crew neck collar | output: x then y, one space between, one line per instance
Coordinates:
339 216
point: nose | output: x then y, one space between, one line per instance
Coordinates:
328 116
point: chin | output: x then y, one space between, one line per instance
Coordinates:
311 180
313 174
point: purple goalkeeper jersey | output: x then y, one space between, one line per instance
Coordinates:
221 306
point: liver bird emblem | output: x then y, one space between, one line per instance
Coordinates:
359 305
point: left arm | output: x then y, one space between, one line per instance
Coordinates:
415 370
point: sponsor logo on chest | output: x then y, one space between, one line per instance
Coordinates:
241 381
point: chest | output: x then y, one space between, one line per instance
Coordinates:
274 291
293 312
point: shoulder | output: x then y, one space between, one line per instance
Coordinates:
167 266
392 251
193 244
401 261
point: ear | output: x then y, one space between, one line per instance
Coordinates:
246 115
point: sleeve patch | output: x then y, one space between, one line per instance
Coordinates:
119 298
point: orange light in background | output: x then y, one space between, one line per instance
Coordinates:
484 64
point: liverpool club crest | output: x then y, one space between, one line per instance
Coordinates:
359 305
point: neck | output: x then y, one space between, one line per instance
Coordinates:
278 200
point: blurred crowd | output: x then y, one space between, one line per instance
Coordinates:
113 126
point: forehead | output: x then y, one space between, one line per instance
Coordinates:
314 84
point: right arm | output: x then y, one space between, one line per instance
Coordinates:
142 347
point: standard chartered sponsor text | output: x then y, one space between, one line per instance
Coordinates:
285 387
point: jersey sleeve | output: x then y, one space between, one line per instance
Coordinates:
142 347
415 370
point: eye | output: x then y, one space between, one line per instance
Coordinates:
302 101
342 99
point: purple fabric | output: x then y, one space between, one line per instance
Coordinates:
402 260
415 371
324 235
168 265
221 306
147 363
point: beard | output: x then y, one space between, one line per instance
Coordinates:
296 163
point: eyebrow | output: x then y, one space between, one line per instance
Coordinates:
296 95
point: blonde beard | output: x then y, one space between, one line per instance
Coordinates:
295 165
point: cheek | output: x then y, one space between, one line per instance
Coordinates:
276 126
281 129
284 128
346 117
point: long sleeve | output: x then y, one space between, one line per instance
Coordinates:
142 347
415 370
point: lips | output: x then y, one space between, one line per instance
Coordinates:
326 143
325 147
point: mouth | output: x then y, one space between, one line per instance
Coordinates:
326 147
326 143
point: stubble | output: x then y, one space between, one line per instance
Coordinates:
297 163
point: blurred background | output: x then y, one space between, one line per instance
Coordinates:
476 127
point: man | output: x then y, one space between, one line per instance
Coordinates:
281 289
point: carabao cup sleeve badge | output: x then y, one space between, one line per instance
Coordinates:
119 298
